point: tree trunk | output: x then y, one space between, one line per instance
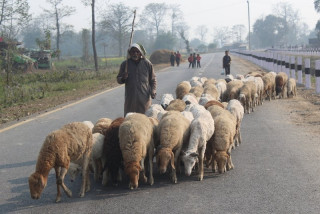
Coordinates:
94 38
58 33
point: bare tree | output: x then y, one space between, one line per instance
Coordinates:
182 30
202 31
117 22
14 15
222 34
93 28
58 12
154 14
176 17
238 31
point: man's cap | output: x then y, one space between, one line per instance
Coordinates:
139 47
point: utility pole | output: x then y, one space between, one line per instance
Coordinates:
249 45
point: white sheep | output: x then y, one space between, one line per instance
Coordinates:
156 111
237 110
201 130
190 99
165 100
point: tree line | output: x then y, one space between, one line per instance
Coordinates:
159 26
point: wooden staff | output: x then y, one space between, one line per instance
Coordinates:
131 36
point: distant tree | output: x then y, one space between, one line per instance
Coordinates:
154 14
14 15
238 31
165 41
57 12
176 17
212 46
291 21
93 29
222 34
117 22
46 43
269 32
182 33
202 31
195 43
85 45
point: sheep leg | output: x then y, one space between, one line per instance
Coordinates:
142 174
200 169
85 184
63 173
229 163
57 170
150 162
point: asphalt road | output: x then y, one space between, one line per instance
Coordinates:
276 167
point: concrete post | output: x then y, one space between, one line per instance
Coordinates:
288 66
317 74
307 73
293 67
299 68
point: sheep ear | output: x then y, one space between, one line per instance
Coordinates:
42 181
193 154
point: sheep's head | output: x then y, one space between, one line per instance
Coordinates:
36 184
242 99
189 160
221 157
73 171
133 169
164 156
208 157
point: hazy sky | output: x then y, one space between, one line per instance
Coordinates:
212 13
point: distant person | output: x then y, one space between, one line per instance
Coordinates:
190 60
178 58
198 61
172 59
194 60
139 79
226 61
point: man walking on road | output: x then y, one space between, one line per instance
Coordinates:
139 79
226 61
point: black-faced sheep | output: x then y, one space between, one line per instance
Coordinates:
112 156
173 131
137 144
72 142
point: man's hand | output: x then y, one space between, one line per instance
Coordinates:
124 76
153 95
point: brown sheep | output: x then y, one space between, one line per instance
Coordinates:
213 102
292 88
233 88
196 90
101 126
182 89
136 135
176 105
174 132
281 84
73 142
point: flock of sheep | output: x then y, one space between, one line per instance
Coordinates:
201 126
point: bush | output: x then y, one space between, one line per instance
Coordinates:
160 56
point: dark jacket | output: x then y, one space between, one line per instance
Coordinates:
139 85
226 61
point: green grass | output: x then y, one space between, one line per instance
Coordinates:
26 87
